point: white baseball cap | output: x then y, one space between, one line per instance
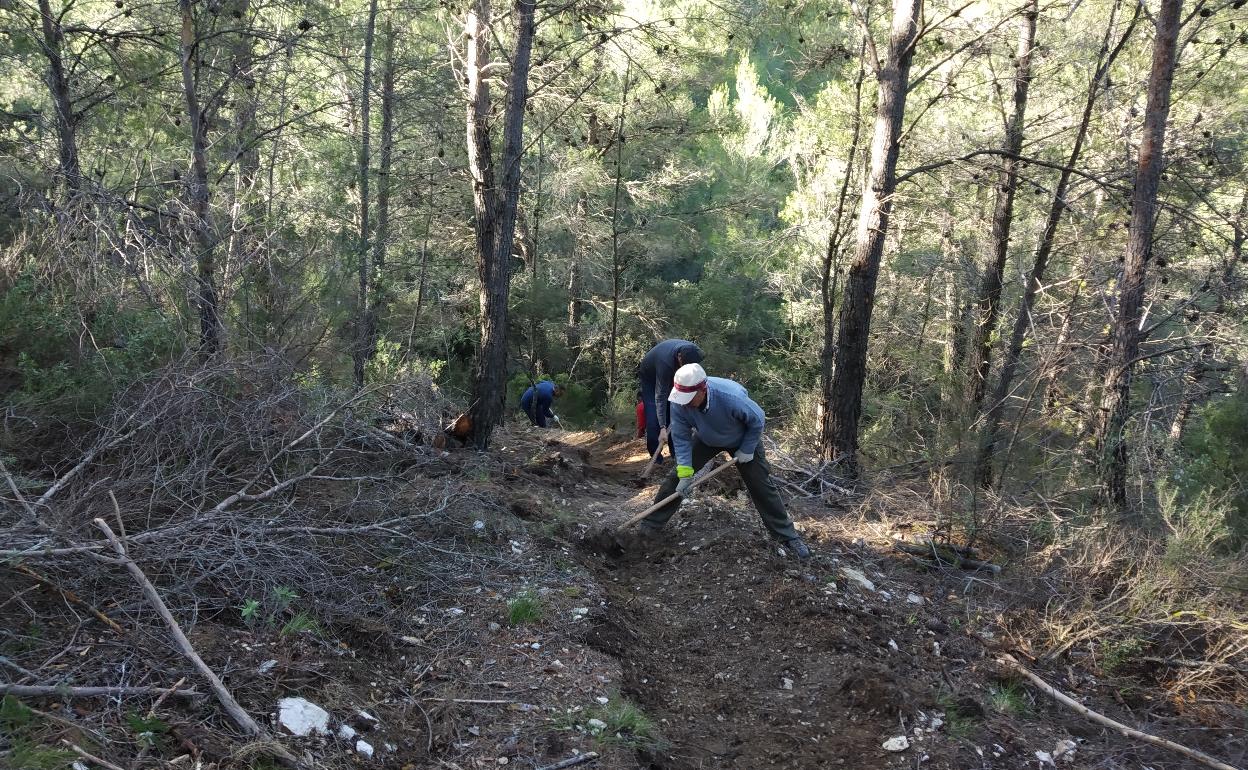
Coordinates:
690 378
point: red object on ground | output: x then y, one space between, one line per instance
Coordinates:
641 420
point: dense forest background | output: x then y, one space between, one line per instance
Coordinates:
927 214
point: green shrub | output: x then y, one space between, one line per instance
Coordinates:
525 608
1217 467
71 356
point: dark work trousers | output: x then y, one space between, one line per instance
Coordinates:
757 477
652 421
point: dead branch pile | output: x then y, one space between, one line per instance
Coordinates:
245 497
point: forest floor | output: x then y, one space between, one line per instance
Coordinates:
710 648
713 648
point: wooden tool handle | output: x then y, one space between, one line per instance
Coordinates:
658 451
676 495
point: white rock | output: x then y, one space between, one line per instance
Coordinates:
603 700
367 717
1064 751
266 667
494 626
786 683
915 599
346 732
455 611
1045 758
596 726
858 577
478 525
936 724
79 766
302 717
364 748
900 743
474 730
390 747
893 645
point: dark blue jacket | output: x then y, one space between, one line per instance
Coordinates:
659 367
545 398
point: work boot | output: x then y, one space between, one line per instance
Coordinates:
799 549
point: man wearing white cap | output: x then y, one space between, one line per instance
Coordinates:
726 420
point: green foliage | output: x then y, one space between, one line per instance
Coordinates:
958 722
1217 470
1008 698
626 724
1118 654
29 755
249 610
14 714
72 357
575 407
525 608
150 731
301 622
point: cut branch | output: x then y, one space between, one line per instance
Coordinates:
61 691
1130 732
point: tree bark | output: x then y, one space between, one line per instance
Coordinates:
1009 362
1116 398
494 263
850 368
989 303
616 265
380 291
365 323
830 274
62 102
205 292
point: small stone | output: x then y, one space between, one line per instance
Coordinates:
494 626
364 748
892 645
786 683
1045 758
478 525
915 599
536 645
455 611
503 760
857 577
346 732
367 717
899 743
603 700
79 766
266 667
1064 751
596 726
474 730
302 717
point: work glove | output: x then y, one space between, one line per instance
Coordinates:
743 457
684 487
685 475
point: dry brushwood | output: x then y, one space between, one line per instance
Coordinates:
1011 663
942 555
62 691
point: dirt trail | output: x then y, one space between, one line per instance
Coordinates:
745 657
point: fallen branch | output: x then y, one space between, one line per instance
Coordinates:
91 757
227 701
941 556
475 701
1130 732
70 596
40 691
579 759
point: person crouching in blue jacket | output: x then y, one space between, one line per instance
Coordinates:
726 420
540 409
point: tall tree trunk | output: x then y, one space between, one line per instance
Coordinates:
1003 214
830 273
381 237
365 323
849 375
243 257
1009 361
535 324
205 294
616 264
575 305
62 103
1116 398
494 265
